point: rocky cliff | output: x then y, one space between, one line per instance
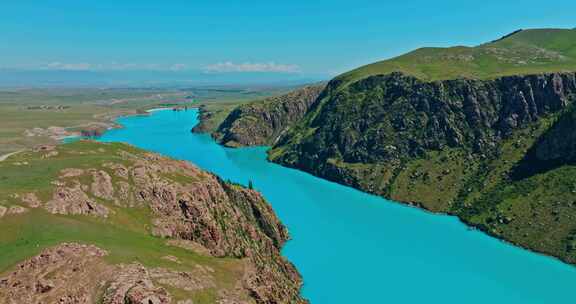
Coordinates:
204 124
146 229
485 133
388 117
262 122
465 147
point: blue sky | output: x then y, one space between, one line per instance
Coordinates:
298 36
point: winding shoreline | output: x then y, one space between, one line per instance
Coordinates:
423 208
440 240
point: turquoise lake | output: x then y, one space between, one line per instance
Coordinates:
351 247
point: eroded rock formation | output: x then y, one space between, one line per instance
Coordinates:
191 208
262 122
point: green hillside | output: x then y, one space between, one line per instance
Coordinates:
152 224
520 53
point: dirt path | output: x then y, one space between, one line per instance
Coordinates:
5 156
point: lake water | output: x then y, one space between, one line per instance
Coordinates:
352 247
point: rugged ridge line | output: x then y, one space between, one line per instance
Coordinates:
484 133
263 122
451 146
386 117
497 153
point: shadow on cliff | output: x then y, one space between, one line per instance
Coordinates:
555 148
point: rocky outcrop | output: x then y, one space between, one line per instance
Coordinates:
262 122
191 208
227 219
207 121
73 200
31 200
73 273
473 148
68 273
102 185
391 119
388 117
469 147
133 284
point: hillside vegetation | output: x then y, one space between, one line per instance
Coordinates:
483 133
108 223
520 53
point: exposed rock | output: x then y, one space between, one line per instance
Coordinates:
67 273
31 200
360 122
262 122
383 122
474 143
73 200
76 274
119 169
102 185
195 210
125 195
133 285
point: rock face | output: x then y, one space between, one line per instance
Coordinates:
73 273
67 273
388 117
73 200
192 209
205 124
262 122
133 284
478 149
227 219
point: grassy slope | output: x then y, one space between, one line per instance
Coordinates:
125 234
526 52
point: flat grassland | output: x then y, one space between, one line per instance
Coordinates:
33 116
26 114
